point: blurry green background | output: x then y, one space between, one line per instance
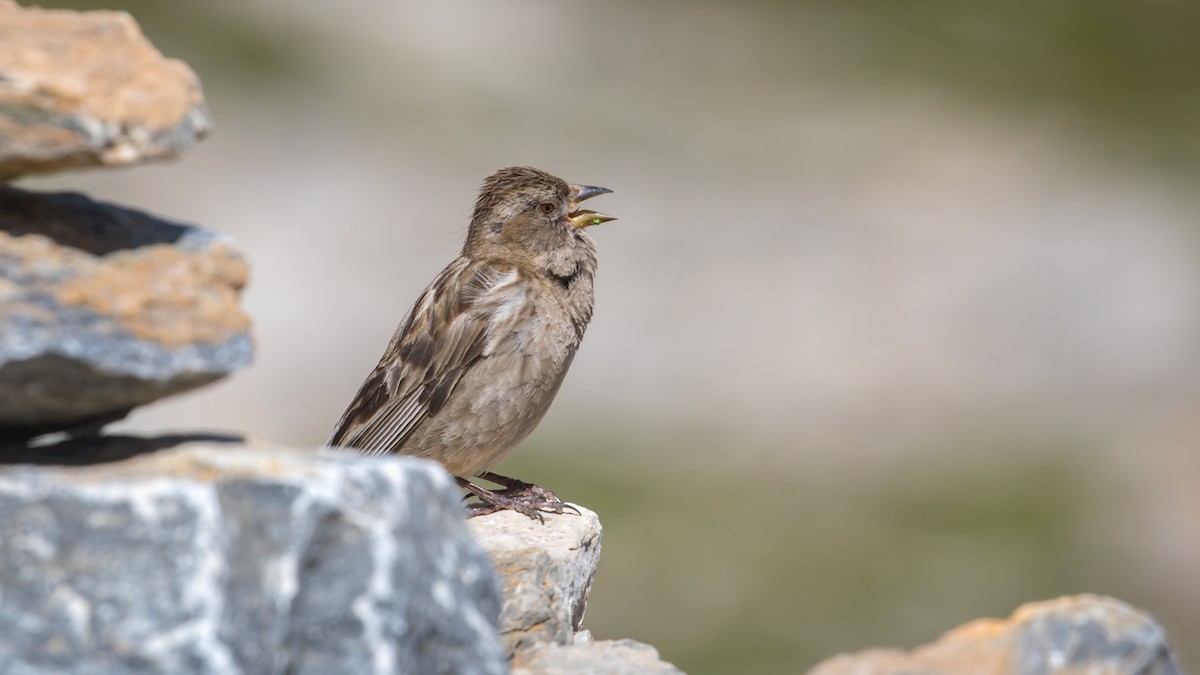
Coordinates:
899 326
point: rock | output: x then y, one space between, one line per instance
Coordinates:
103 309
1078 634
545 572
226 559
82 89
604 657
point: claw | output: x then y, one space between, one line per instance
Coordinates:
524 498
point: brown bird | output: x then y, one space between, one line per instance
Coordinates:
474 365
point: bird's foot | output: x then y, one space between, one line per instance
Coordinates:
527 492
524 498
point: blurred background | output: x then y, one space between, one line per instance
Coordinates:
899 326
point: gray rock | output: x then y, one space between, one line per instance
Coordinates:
104 308
1071 635
226 559
546 572
1091 634
84 89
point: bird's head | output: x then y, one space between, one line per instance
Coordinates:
525 208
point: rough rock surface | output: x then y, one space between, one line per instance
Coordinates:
104 308
546 572
1071 635
87 89
603 657
224 559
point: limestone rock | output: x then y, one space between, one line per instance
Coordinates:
104 308
224 559
545 572
82 89
1070 635
603 657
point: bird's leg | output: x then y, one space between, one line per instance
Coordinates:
512 486
532 503
519 488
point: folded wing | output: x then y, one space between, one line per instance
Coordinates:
461 318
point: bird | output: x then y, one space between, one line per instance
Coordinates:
473 367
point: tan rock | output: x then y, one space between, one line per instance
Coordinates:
148 291
107 308
1077 635
546 572
595 657
87 89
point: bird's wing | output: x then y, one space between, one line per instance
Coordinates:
458 320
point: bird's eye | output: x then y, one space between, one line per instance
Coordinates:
548 208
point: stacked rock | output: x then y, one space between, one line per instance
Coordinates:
195 553
102 308
201 553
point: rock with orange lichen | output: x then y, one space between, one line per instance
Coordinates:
1073 635
80 89
103 309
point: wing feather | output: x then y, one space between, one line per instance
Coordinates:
458 320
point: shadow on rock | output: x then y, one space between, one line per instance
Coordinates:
76 221
101 449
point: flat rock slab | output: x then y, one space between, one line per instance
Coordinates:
104 308
1070 635
225 559
80 89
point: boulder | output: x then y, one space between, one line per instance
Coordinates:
104 308
80 89
226 559
1070 635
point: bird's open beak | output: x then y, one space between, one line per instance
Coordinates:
582 218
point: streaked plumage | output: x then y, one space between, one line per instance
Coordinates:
473 367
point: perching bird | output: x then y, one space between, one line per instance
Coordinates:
474 365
